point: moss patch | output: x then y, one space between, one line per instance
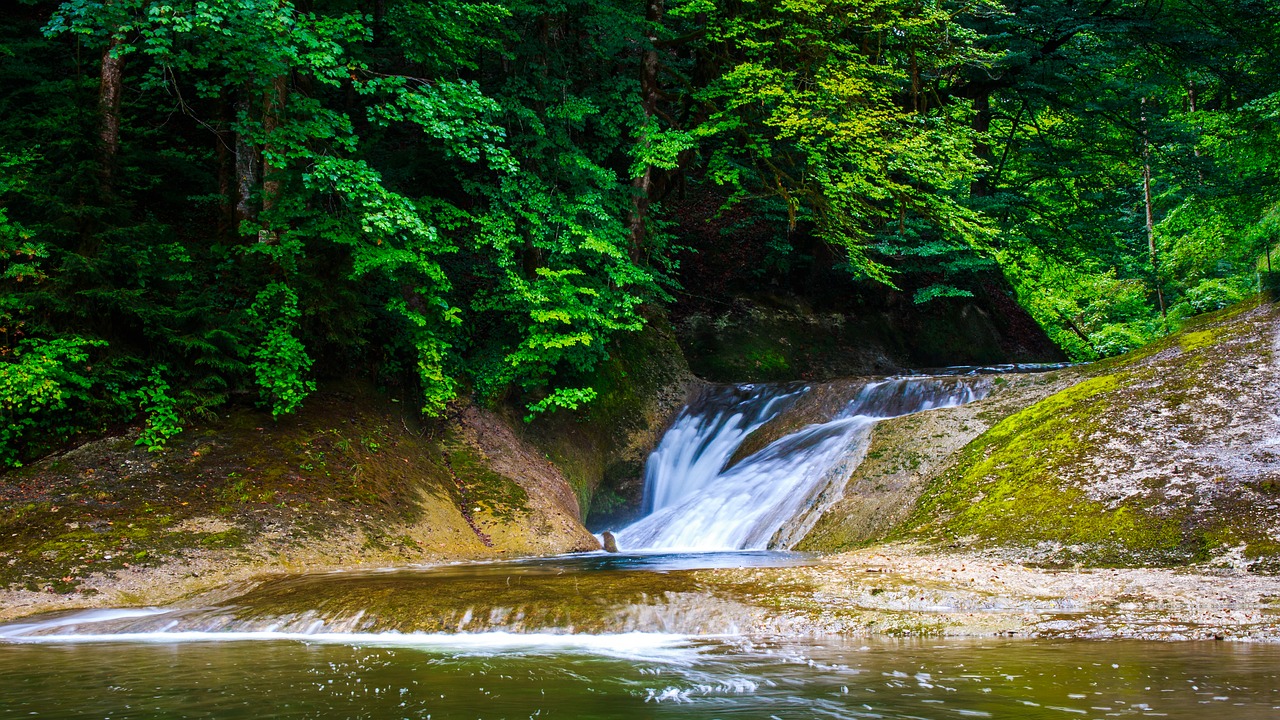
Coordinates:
1140 463
350 472
480 489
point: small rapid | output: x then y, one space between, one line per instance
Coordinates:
699 499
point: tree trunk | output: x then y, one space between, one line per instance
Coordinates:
246 167
1151 227
642 186
110 90
272 108
1008 145
915 83
1191 110
226 176
1071 325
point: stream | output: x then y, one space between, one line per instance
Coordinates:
259 656
647 633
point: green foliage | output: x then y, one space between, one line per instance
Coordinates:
812 110
42 385
938 290
1175 88
570 398
1214 294
163 418
280 362
472 197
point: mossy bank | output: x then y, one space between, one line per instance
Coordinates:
351 480
354 479
1168 456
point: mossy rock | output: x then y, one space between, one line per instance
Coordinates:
1166 456
351 479
780 337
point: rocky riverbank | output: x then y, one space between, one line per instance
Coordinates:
905 589
891 590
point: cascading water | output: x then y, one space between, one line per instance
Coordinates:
699 501
705 435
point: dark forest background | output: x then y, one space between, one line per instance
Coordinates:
209 201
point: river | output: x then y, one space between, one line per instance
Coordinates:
686 626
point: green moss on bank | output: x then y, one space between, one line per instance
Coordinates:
479 488
1084 475
350 473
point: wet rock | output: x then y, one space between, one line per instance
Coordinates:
601 447
1161 457
778 337
610 542
240 495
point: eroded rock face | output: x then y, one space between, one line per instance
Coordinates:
907 453
351 480
602 448
1169 455
782 337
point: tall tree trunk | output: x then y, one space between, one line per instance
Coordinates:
110 90
642 186
915 82
1191 110
1151 227
1008 145
223 141
272 109
246 166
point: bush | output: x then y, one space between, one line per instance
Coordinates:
40 385
1119 339
1214 294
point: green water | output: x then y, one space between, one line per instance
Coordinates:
700 679
583 637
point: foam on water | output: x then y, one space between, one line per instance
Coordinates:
665 647
70 622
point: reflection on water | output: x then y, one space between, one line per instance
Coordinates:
656 561
660 677
596 593
588 636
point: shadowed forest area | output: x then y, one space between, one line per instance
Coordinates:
227 201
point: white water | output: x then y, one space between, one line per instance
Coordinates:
771 498
705 435
670 647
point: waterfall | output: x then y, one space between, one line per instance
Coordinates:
705 435
699 500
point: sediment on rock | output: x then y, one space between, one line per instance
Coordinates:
350 481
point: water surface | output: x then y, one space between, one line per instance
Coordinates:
650 676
